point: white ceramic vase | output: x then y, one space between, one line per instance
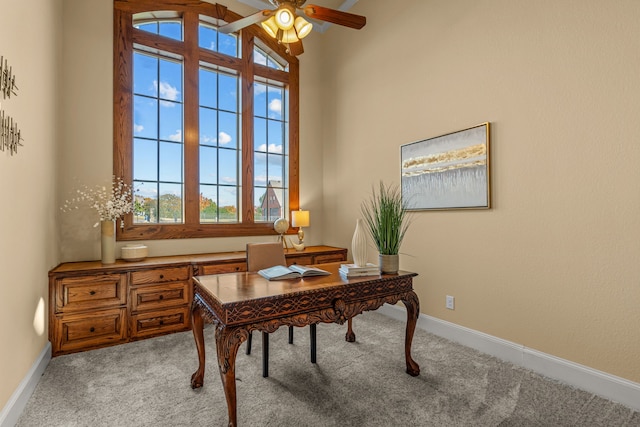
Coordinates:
359 244
108 241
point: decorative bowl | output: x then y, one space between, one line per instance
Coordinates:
134 252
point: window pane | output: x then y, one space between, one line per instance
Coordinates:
228 44
171 121
274 98
170 86
260 134
228 166
145 70
228 92
208 165
208 126
208 203
260 169
260 203
275 136
275 168
170 203
228 204
260 100
171 29
228 130
170 162
145 160
150 27
207 37
146 203
208 88
145 117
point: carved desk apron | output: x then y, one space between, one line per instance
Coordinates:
237 303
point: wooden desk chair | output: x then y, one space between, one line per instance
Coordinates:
260 256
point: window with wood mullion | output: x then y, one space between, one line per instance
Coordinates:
194 57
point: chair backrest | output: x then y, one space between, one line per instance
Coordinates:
264 255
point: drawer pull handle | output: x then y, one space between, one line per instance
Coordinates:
92 293
237 268
92 329
162 276
161 297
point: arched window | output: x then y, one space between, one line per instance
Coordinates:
205 124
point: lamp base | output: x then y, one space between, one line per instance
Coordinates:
298 246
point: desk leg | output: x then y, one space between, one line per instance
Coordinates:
413 309
228 341
197 323
350 336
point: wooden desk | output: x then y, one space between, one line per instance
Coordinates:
238 303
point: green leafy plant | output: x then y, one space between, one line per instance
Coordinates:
386 218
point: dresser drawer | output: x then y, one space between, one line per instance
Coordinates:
300 260
160 275
83 331
322 259
159 296
160 322
90 292
222 268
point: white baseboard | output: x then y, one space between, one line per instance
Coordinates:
597 382
18 400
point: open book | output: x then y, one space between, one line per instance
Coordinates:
280 272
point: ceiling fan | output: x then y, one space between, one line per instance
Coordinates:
289 28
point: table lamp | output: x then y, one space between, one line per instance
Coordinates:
300 219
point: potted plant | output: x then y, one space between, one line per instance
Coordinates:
387 222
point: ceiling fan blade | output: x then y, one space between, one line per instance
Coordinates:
296 48
241 23
335 16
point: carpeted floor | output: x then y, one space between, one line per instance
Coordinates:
146 383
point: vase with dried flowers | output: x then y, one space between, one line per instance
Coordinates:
112 204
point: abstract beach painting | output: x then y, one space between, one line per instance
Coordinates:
447 172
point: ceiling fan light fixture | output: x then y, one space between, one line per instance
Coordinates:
303 27
285 17
270 27
289 36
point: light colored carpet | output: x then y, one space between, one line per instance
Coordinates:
147 383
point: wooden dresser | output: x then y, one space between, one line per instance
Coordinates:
92 305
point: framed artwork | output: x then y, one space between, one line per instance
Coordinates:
447 172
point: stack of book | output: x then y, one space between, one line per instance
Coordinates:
351 270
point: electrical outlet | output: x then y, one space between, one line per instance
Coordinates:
449 303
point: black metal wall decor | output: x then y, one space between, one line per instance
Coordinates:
9 133
7 79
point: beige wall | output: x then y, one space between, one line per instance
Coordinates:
31 44
555 265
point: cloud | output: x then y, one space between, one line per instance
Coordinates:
275 106
273 148
167 92
137 128
206 139
176 137
259 89
224 138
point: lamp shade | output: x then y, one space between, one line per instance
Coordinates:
300 218
303 27
289 36
270 27
285 18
